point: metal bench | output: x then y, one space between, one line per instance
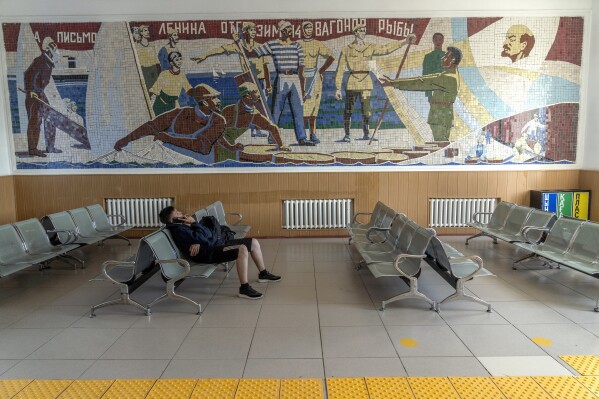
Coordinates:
218 211
378 230
456 269
102 222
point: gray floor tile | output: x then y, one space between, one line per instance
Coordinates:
529 312
368 341
464 312
204 368
281 294
523 366
162 319
5 365
565 339
147 343
284 368
78 343
343 314
216 343
496 340
47 369
410 312
20 343
416 341
499 292
286 343
216 315
443 366
293 266
125 369
303 315
52 317
228 295
364 367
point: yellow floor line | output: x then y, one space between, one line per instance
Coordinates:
585 365
559 387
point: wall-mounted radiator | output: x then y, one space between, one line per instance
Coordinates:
317 214
139 212
457 212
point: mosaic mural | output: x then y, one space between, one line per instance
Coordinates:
282 93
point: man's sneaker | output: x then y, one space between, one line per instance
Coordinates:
306 143
314 139
346 139
249 293
265 276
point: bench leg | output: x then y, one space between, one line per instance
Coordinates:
596 306
481 234
170 293
461 295
123 300
76 259
122 238
412 293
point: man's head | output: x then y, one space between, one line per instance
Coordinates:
249 28
135 33
206 97
285 28
249 91
173 35
175 59
144 31
359 31
168 214
452 58
518 42
49 47
307 29
438 40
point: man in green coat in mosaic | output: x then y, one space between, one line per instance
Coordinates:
444 86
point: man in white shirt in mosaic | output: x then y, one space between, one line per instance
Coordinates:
288 57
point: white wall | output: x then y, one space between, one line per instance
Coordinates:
107 10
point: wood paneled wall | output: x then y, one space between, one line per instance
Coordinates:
589 180
8 211
258 196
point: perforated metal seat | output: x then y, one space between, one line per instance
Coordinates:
102 222
217 210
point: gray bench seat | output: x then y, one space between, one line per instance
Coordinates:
378 231
572 243
217 210
456 269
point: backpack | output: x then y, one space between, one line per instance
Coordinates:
223 233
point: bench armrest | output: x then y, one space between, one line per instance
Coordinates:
71 236
399 258
181 262
121 217
476 215
239 215
476 259
372 229
355 218
526 229
111 264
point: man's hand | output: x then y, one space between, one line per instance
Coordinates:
338 95
194 249
198 59
189 220
33 94
235 35
268 90
120 144
385 81
411 38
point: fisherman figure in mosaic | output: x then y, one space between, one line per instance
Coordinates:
171 84
354 59
148 57
173 40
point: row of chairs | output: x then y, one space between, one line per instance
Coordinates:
508 221
157 252
27 243
392 245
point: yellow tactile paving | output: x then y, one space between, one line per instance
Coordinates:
9 388
43 389
305 388
520 388
86 389
590 382
215 388
389 388
346 388
130 389
476 388
585 365
564 387
258 389
432 388
172 389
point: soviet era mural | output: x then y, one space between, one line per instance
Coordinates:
240 93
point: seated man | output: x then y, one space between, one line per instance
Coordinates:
198 243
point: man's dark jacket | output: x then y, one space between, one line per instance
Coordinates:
185 236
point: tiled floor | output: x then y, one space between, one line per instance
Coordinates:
321 320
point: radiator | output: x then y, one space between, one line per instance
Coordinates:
139 212
457 212
317 213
